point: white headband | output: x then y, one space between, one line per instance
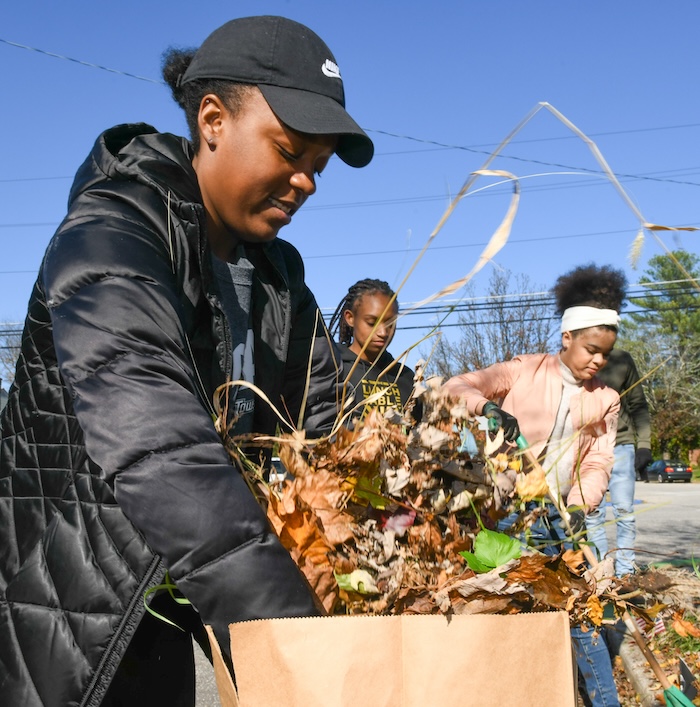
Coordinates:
575 318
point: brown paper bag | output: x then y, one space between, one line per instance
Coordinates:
401 661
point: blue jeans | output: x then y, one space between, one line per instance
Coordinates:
592 655
595 668
621 490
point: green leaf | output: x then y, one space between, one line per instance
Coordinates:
370 491
474 562
491 549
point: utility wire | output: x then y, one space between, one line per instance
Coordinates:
512 241
473 149
443 325
529 160
487 303
394 251
642 290
79 61
547 139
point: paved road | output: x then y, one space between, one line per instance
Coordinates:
668 528
668 521
207 694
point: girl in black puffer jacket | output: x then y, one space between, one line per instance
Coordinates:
165 279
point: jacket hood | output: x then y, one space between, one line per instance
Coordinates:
138 152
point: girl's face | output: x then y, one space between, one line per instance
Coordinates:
363 319
258 174
587 352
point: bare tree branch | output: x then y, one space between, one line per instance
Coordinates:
507 326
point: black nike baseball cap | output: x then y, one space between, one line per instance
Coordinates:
296 73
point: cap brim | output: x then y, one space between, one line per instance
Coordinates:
312 113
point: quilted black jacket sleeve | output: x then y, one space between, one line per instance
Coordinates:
121 348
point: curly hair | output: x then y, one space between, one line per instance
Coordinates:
351 301
174 63
592 286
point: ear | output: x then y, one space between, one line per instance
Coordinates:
349 318
210 118
566 340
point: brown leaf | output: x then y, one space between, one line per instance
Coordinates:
595 610
415 601
574 560
556 584
530 569
293 460
684 628
322 493
425 540
532 485
300 532
486 604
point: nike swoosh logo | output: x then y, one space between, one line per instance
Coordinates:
330 69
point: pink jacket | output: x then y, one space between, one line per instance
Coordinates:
529 387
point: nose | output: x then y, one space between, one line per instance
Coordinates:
599 359
303 181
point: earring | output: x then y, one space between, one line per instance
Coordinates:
212 146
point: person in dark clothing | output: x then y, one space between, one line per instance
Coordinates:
365 322
166 279
632 454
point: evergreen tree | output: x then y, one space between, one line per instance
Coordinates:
663 336
672 305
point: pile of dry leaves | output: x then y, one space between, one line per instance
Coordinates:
390 518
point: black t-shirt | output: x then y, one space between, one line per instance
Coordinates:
395 384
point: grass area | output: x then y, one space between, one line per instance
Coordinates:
681 639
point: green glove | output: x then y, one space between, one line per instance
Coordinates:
500 418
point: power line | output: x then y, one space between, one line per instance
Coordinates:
542 318
438 197
474 149
486 303
81 62
37 224
651 290
529 160
512 241
33 179
394 251
541 139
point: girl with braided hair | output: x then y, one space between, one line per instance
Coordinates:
569 418
365 322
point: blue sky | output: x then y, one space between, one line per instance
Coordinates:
459 74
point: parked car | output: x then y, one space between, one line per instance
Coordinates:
669 470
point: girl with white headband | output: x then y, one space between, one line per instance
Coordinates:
569 418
